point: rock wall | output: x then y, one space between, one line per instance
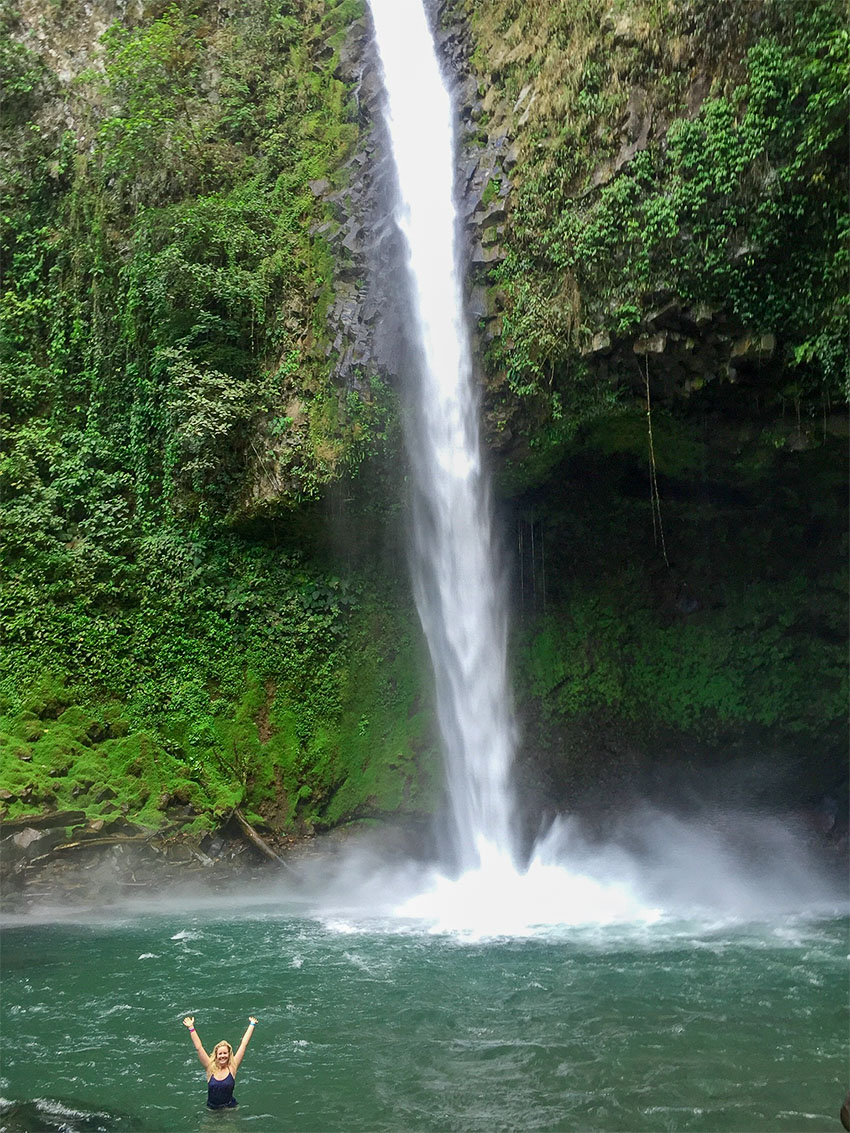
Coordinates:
732 624
365 321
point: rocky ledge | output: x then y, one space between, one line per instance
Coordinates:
51 858
50 864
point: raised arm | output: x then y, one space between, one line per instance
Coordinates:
237 1057
189 1022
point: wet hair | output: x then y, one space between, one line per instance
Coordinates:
213 1065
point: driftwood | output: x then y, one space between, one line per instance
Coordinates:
108 840
253 837
256 841
84 843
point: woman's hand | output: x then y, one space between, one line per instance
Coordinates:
189 1021
251 1019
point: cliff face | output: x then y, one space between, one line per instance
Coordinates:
203 478
677 202
181 635
661 296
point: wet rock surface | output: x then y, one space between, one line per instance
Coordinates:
365 319
44 869
485 159
45 858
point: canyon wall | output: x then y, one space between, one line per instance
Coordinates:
206 603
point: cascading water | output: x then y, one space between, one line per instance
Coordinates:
457 594
460 602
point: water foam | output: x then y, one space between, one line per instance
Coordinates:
498 900
709 871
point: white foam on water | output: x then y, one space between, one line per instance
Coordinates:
498 900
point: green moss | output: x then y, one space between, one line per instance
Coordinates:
491 190
676 451
344 13
322 723
752 662
47 697
103 779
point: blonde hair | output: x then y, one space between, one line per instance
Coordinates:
213 1065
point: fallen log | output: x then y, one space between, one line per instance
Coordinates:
84 843
256 841
42 821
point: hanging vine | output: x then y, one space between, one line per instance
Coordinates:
654 496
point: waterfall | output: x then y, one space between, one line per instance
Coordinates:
456 584
457 590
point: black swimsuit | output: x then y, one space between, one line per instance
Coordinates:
220 1094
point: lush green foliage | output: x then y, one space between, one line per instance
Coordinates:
752 663
160 295
740 206
159 307
688 156
742 630
252 679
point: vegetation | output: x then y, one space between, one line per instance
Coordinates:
753 662
634 188
180 637
160 295
739 632
268 691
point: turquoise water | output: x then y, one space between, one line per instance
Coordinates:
381 1026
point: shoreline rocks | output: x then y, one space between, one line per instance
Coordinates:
40 860
43 871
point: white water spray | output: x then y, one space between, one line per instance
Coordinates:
457 594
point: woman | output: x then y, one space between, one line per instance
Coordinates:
221 1067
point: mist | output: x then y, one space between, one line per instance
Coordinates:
657 867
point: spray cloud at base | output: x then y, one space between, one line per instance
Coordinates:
658 873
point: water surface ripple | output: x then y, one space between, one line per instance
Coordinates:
663 1027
